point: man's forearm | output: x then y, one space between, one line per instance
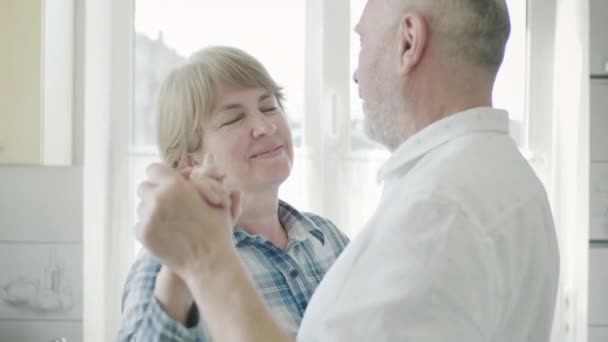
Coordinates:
232 308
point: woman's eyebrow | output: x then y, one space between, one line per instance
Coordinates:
264 97
229 106
237 105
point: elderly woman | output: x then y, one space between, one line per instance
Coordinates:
222 104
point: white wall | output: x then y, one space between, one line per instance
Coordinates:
40 253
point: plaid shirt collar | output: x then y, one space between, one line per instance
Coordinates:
299 228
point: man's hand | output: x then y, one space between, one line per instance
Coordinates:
183 224
186 222
208 169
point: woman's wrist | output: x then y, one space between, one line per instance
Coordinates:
173 295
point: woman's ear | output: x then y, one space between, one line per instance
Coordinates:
413 39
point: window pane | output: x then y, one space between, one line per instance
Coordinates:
363 192
510 88
168 31
153 60
358 141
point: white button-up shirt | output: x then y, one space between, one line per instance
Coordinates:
462 246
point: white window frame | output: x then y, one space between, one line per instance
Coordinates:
327 103
58 82
107 62
567 185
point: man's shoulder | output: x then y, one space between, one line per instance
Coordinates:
476 169
468 180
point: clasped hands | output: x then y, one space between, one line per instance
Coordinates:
185 218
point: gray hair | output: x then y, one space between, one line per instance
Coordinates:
473 31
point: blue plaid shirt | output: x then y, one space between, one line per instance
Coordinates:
285 279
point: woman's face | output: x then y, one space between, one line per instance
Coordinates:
249 138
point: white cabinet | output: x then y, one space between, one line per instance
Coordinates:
598 287
598 203
598 36
599 119
598 334
598 192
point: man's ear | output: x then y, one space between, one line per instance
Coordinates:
412 38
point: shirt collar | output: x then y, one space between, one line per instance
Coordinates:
438 133
298 227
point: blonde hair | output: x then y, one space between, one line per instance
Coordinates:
187 96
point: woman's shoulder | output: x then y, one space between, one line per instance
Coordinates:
324 225
145 262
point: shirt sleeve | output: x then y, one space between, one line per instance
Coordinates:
143 317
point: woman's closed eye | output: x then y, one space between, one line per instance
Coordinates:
269 110
233 120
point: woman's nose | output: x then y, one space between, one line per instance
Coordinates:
263 125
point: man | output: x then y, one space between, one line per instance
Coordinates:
462 246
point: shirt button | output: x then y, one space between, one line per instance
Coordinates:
293 273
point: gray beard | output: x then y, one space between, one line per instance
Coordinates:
379 128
